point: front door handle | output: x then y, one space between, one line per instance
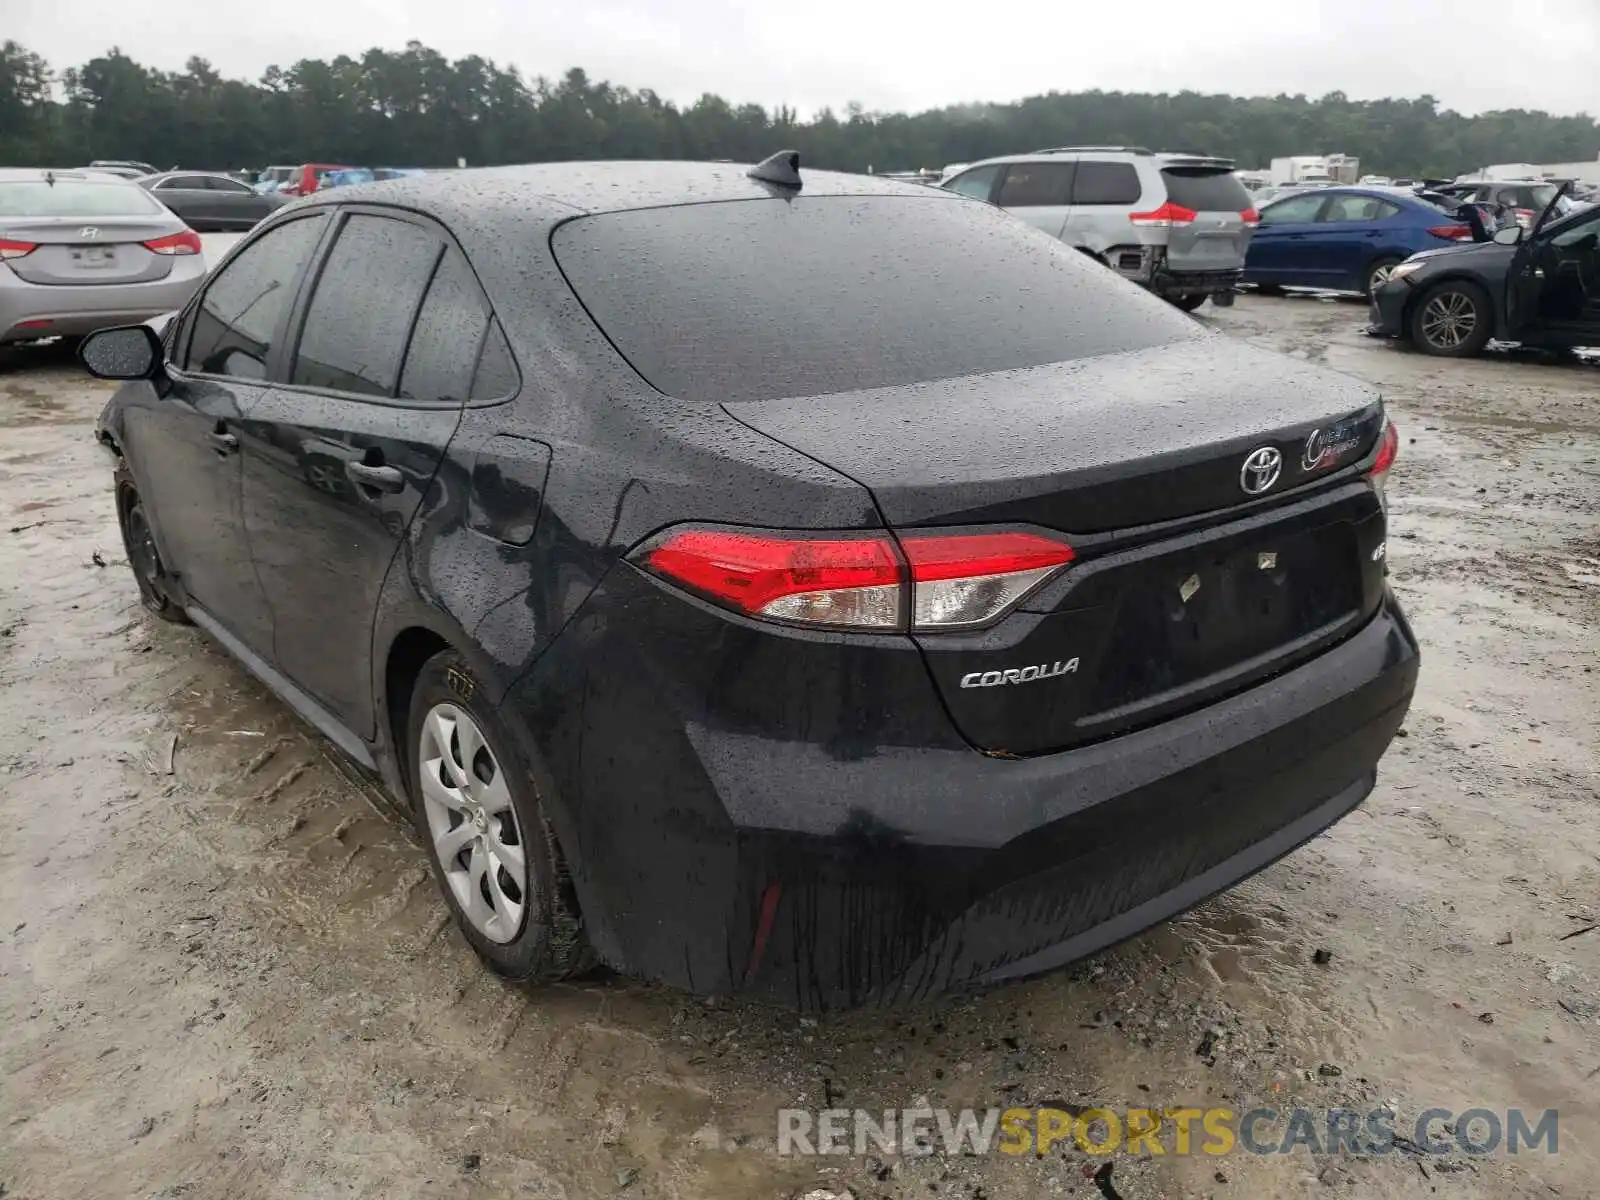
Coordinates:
224 442
382 479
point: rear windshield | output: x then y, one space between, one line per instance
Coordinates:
1205 189
1445 204
74 198
761 299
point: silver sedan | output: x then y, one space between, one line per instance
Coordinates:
81 251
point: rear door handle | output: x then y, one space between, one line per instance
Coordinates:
382 479
223 441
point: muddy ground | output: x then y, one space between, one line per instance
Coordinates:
237 979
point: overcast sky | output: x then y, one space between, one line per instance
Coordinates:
895 54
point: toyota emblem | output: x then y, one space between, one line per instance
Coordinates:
1261 470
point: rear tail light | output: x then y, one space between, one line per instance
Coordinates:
187 242
1250 217
13 249
922 581
971 578
1452 233
1388 451
813 580
1165 217
1525 217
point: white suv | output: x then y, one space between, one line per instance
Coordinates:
1178 224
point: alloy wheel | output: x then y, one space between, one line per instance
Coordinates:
1380 276
1448 320
473 823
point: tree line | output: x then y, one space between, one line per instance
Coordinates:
415 107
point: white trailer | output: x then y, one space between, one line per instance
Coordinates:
1301 169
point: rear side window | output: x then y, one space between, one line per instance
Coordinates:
450 328
1035 185
74 198
241 308
976 183
1359 208
367 296
1205 190
1293 211
760 299
1106 183
497 376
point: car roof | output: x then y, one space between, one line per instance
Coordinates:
561 190
76 174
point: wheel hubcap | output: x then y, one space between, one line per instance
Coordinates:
1449 320
472 823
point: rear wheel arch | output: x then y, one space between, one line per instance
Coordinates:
408 651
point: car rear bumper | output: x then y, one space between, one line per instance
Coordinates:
1195 283
817 874
29 310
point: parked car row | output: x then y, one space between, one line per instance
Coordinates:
312 177
1446 266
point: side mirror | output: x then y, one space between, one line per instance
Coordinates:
122 352
1508 236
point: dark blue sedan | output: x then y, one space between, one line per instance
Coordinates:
1348 239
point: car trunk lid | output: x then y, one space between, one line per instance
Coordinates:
1185 586
75 251
1218 235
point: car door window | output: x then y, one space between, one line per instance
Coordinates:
1358 208
1295 210
496 376
450 328
181 183
1105 183
237 319
1035 185
367 295
977 183
217 184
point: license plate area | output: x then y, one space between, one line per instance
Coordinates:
93 258
1191 616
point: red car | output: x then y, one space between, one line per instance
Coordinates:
308 177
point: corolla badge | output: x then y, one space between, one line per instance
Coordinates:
1260 470
1028 674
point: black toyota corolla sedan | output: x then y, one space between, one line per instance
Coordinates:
770 581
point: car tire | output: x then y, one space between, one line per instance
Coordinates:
1454 319
144 559
1377 274
473 794
1188 303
